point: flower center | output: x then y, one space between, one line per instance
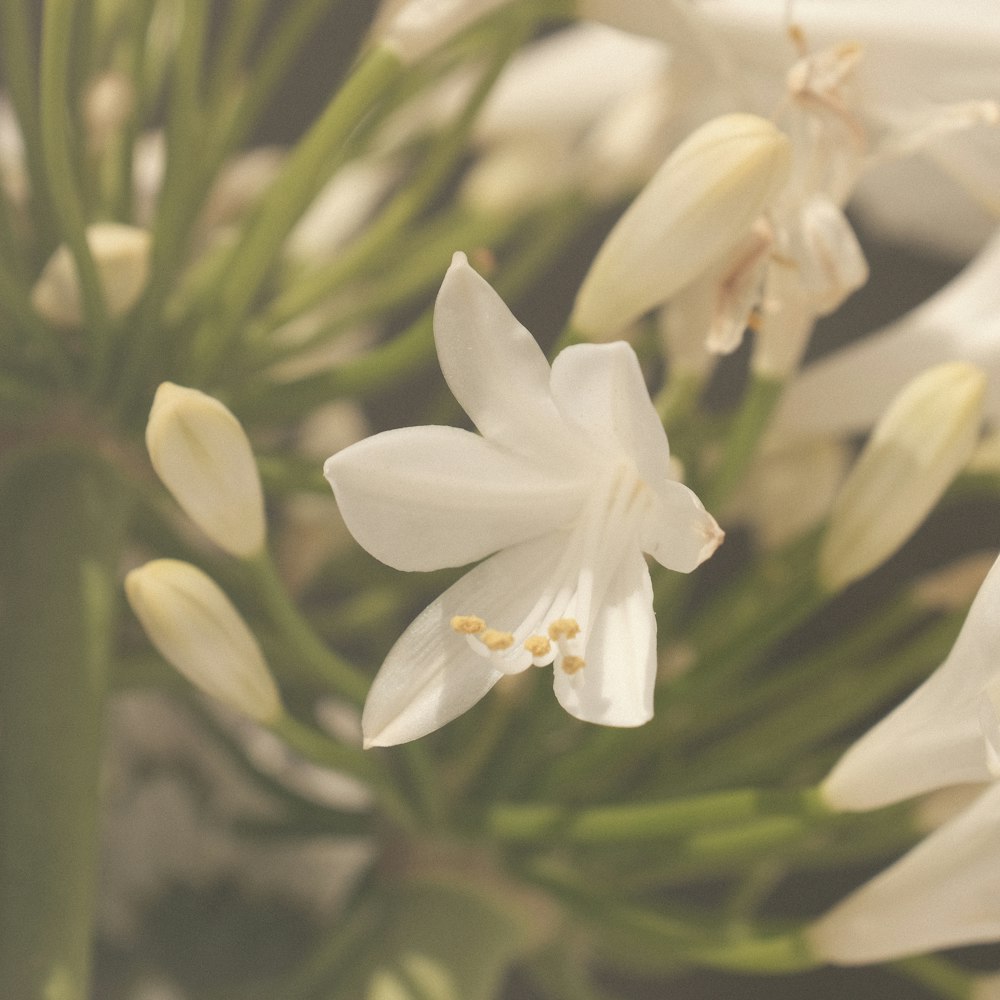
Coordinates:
556 628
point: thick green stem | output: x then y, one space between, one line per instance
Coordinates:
60 535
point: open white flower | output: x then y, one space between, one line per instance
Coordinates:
946 733
569 484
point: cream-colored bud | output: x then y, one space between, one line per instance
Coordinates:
198 631
107 104
202 455
697 207
414 28
121 255
918 447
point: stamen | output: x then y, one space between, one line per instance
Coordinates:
495 640
564 628
538 645
468 624
572 664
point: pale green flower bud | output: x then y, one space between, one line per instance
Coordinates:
697 207
921 443
121 256
198 631
202 455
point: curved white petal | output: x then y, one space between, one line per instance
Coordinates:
422 498
934 738
848 390
678 532
432 674
615 687
945 892
493 365
600 389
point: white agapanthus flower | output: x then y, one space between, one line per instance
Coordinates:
568 483
946 733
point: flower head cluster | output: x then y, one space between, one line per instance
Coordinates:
569 483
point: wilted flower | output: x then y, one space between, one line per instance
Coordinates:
569 484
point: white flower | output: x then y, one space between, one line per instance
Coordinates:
943 893
946 733
569 484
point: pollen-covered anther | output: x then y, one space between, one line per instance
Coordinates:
564 628
538 645
572 664
495 640
468 624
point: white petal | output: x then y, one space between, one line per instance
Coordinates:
423 498
945 892
934 738
615 687
431 674
494 367
600 389
678 532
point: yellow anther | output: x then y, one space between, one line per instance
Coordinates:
468 624
538 645
572 664
495 640
564 628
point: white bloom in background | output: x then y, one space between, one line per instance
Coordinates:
945 892
121 256
413 29
197 630
844 392
202 454
921 443
986 988
569 483
946 733
697 207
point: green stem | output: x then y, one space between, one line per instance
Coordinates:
299 637
60 162
943 977
287 199
647 821
61 534
744 436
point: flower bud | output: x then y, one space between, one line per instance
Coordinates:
202 455
697 207
121 256
921 443
198 631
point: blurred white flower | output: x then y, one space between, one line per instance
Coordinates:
569 484
121 257
945 892
946 733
